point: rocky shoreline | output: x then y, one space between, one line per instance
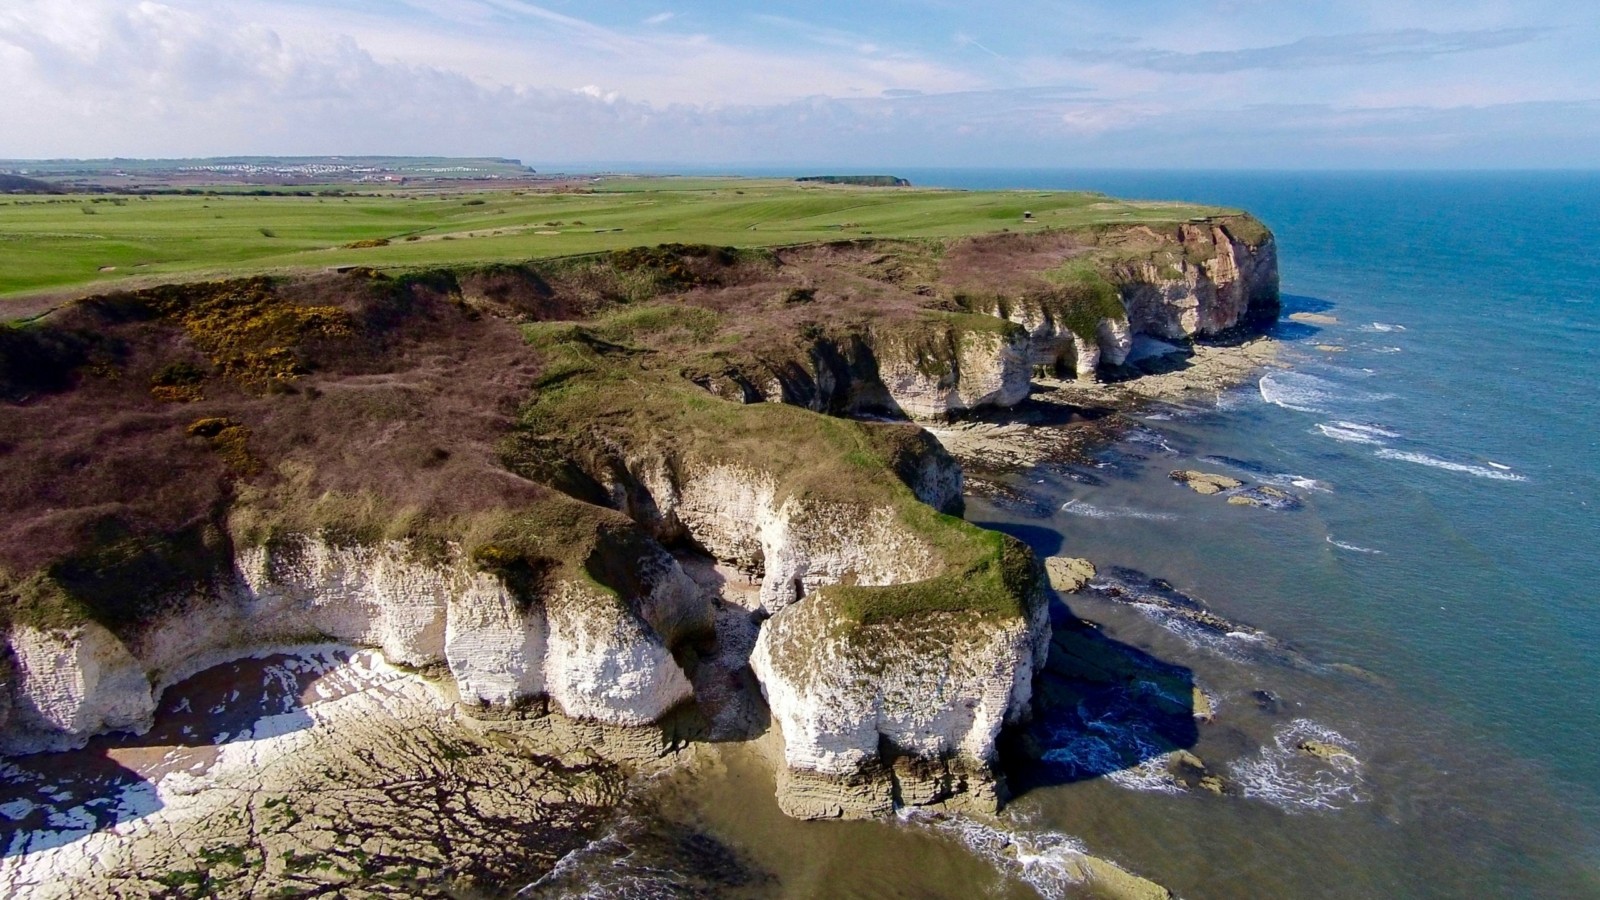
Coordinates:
1067 421
611 541
580 770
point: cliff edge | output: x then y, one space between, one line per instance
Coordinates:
498 475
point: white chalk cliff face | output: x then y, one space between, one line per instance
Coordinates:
852 700
799 545
595 655
1231 284
936 687
1214 282
988 369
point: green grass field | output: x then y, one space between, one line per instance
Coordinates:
73 245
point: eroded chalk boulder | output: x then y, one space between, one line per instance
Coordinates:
895 695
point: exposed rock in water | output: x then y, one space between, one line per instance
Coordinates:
1068 575
1125 585
1267 701
1193 773
1330 753
1205 483
1265 496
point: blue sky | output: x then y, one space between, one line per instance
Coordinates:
1073 83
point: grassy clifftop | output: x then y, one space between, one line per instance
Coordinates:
145 435
78 243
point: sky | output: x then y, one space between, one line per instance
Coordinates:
1190 84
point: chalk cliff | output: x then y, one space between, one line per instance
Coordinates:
595 654
1207 281
488 474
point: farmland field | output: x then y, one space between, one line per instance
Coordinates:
75 244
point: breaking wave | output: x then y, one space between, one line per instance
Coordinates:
1383 327
1352 547
1047 861
1423 459
1150 439
1119 744
1303 483
1267 476
1080 508
1295 781
1356 433
1308 393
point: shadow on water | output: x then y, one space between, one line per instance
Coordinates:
1044 541
49 800
1293 303
1101 708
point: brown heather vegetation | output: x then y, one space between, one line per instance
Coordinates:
144 434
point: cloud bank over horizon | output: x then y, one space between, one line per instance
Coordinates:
1209 84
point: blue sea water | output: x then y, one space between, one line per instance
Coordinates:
1469 309
1451 541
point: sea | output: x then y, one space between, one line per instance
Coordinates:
1425 609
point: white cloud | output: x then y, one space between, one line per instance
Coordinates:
506 77
595 92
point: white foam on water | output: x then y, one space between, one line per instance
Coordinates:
1308 393
1423 459
595 854
1295 781
1367 428
1307 484
1150 439
1230 400
1226 644
1352 547
1102 750
1275 389
1383 327
1348 436
1047 861
1289 479
1080 508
